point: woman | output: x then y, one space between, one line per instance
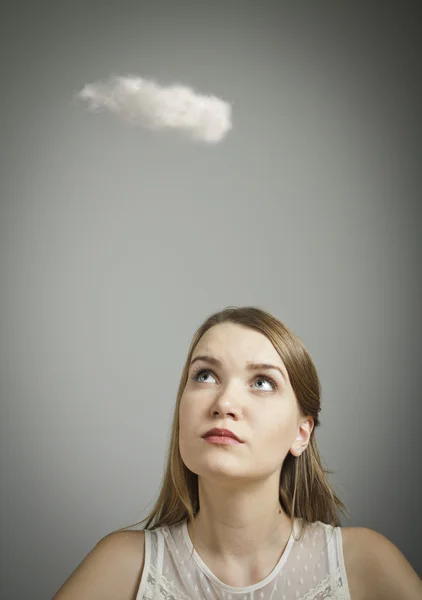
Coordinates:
246 510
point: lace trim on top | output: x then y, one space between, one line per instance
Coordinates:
168 590
164 590
325 590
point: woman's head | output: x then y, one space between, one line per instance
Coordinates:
272 421
228 387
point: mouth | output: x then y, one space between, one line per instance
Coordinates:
221 436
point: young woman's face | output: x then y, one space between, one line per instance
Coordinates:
257 404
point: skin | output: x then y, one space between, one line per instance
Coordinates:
240 523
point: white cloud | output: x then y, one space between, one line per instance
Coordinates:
176 107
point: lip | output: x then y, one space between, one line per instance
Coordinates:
226 435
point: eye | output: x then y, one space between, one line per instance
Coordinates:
267 379
198 373
196 376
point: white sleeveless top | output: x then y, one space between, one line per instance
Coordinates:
311 568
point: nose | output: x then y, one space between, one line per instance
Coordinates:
225 405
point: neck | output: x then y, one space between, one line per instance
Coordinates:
240 524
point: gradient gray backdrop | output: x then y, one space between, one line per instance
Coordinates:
116 243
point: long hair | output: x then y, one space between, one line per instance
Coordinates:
305 491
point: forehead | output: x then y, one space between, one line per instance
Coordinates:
234 342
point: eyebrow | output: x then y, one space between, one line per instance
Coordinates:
249 366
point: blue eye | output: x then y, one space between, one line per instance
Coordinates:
196 375
268 379
199 373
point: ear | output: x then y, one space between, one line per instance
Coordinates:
303 436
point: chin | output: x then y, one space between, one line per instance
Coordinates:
216 466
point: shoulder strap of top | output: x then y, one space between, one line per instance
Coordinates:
343 583
336 571
153 563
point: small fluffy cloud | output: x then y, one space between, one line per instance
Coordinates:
176 107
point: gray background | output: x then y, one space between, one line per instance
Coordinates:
115 243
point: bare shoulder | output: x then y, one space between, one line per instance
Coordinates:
112 570
376 568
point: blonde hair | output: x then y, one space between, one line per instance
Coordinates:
305 491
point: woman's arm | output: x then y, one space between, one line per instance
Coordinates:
111 571
376 569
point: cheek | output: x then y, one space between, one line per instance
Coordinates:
278 428
188 415
189 425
